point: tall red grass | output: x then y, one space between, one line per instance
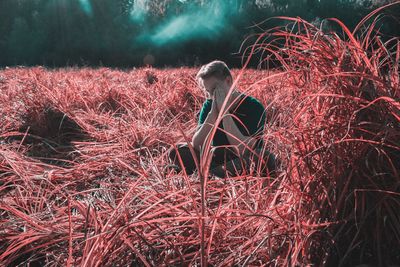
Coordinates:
82 156
344 135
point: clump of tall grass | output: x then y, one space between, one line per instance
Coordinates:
333 118
343 130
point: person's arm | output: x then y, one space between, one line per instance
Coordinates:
233 133
235 136
204 129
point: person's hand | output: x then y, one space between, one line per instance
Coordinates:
213 114
219 96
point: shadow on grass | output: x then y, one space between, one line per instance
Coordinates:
49 135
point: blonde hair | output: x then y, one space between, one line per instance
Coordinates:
216 68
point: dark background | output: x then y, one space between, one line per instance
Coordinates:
163 33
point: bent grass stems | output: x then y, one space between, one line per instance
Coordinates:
335 131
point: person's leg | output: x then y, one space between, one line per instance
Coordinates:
226 162
266 165
250 163
186 157
232 167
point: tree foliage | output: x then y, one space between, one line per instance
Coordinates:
120 33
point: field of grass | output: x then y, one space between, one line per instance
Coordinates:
83 151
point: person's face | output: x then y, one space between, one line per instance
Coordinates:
213 82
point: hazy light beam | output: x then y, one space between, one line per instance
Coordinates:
86 6
205 23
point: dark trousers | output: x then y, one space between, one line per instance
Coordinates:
226 161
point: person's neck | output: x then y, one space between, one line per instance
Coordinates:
236 94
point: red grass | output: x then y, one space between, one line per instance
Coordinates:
82 153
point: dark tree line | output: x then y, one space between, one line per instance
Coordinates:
58 33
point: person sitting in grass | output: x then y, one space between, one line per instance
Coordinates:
237 145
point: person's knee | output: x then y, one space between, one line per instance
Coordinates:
184 157
271 164
172 154
267 160
178 148
270 158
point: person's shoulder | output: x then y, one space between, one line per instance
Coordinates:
252 101
207 102
205 109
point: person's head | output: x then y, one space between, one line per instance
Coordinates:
213 73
